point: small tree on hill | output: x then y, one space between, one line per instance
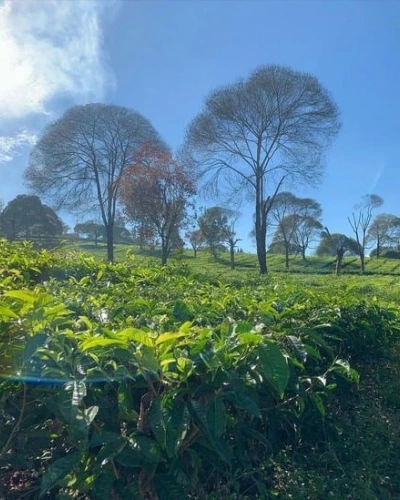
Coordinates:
360 221
195 239
337 245
91 230
384 231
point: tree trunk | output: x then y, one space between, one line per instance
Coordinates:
110 242
378 248
195 252
303 253
362 262
232 255
287 256
261 233
164 250
339 260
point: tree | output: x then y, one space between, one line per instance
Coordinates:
212 224
80 159
309 225
384 231
25 217
360 222
195 239
337 245
229 234
283 215
91 229
281 243
155 192
257 133
144 235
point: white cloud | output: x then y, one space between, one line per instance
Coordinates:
9 146
48 48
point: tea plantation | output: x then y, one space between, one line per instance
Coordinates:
136 381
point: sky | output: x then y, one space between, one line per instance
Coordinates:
162 58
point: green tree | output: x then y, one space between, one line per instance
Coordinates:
80 159
337 245
213 225
289 214
195 239
90 229
254 134
25 217
384 231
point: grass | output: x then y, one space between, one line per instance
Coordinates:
246 262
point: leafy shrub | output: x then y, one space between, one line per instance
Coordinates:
151 382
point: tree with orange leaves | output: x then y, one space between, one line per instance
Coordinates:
156 191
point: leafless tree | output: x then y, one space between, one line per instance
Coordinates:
257 133
360 221
79 161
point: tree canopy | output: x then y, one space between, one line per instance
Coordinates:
79 161
155 193
25 217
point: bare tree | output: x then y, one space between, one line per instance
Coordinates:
79 161
360 221
255 133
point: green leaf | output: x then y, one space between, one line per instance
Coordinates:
319 404
165 337
24 295
6 313
242 399
244 327
216 417
274 366
250 338
136 335
70 398
93 343
57 471
110 450
169 424
299 347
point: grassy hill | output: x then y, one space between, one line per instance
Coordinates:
247 262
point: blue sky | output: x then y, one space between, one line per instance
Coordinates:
162 58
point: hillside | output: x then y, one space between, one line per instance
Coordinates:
133 380
248 262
